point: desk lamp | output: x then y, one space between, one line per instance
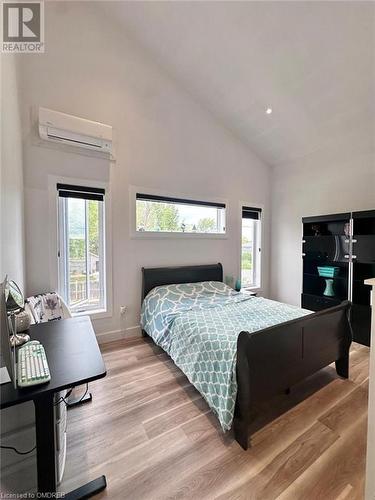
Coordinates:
14 302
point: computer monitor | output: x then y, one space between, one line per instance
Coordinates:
8 355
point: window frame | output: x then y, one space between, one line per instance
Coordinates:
55 232
257 287
134 234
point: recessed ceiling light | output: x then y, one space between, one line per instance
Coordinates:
269 111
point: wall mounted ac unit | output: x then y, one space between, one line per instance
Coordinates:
73 131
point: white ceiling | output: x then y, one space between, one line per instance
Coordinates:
312 62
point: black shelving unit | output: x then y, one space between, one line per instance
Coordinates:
363 263
345 242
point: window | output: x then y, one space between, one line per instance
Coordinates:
250 247
174 215
81 248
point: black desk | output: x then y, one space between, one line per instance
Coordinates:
74 358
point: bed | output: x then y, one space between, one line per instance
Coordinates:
238 350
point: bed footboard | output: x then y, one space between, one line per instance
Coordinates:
272 360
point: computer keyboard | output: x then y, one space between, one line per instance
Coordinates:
32 365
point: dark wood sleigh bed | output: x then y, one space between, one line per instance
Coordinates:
272 360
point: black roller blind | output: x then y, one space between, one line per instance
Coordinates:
251 213
182 201
82 192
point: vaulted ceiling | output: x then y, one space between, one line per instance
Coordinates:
311 62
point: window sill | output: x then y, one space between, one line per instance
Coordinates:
96 314
251 289
160 235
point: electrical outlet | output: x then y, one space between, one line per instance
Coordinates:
122 310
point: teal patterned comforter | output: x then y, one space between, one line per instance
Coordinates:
198 324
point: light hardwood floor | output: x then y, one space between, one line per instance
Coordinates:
150 432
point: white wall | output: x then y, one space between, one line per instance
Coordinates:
11 175
12 263
165 141
325 182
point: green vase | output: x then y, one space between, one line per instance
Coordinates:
328 292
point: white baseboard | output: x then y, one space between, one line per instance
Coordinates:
131 332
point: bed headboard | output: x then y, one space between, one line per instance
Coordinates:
157 276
